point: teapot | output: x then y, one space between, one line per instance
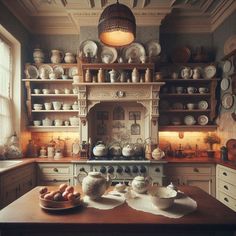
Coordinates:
186 73
95 184
138 147
114 76
127 150
140 184
115 149
157 154
100 149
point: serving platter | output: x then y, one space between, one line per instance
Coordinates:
73 71
203 105
108 54
225 83
202 120
227 100
59 71
209 72
227 66
45 68
32 72
89 48
153 48
134 52
61 208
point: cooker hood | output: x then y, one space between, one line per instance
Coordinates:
145 95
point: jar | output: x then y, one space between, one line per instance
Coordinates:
101 78
148 75
38 55
56 56
88 76
43 152
135 76
69 57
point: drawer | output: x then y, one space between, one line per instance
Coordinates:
226 174
193 170
55 180
227 188
227 200
55 169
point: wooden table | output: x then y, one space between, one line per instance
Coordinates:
24 217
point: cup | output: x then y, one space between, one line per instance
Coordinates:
65 77
179 90
48 105
75 91
56 105
67 91
38 106
37 91
57 91
37 122
66 106
190 106
58 122
203 90
191 90
46 91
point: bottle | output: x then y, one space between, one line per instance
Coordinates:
51 148
88 76
43 152
31 150
224 153
148 75
101 78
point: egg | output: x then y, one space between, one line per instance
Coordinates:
65 195
70 189
43 190
63 187
48 196
58 197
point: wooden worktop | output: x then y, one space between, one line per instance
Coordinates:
25 215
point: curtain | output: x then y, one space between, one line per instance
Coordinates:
6 122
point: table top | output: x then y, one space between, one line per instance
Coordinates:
25 212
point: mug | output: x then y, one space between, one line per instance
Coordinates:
46 91
203 90
37 91
179 90
56 105
48 105
190 106
191 90
57 91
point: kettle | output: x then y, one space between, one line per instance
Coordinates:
100 149
127 150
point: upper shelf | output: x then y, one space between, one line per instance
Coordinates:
169 80
49 80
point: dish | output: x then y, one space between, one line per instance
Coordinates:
61 208
202 120
133 52
89 48
225 82
44 71
181 54
153 48
230 44
189 120
227 100
108 54
227 66
59 71
73 71
209 71
203 105
32 72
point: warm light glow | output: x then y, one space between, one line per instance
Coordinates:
117 38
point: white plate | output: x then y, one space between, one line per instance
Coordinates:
73 71
134 52
189 120
32 72
225 83
48 69
203 105
227 66
153 48
227 100
59 71
89 48
108 54
202 120
209 72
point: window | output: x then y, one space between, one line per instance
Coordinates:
6 81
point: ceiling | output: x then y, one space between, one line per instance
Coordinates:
67 16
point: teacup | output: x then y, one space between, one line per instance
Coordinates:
203 90
58 122
56 105
66 106
48 105
57 91
191 90
67 91
75 91
37 91
37 122
65 77
190 106
46 91
179 90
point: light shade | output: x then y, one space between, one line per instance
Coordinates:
117 26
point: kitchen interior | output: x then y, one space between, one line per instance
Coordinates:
149 109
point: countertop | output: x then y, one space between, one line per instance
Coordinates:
25 215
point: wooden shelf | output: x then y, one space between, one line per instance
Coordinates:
185 95
169 80
120 84
53 128
54 95
184 110
187 128
54 111
63 65
48 80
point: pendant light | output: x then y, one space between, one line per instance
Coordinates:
117 26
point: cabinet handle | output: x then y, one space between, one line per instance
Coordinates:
224 173
196 170
226 187
55 169
226 199
157 169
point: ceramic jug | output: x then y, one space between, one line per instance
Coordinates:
56 56
114 76
69 57
88 76
140 184
135 76
38 55
101 77
186 73
95 184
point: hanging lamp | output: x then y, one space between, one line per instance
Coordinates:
117 26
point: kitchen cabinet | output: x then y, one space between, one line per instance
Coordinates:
55 174
191 103
199 175
49 91
17 182
226 186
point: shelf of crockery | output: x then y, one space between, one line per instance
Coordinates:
187 127
59 111
48 80
64 128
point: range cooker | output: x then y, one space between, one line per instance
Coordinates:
122 170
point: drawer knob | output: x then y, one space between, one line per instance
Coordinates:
55 170
196 170
226 199
224 173
226 187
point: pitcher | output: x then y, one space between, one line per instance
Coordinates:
56 56
186 73
114 76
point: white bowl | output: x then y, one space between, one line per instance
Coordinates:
37 122
162 197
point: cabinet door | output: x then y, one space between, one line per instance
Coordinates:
10 194
27 183
206 183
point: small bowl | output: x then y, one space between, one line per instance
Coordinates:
162 197
65 77
37 122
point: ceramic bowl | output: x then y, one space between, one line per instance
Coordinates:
46 91
74 121
37 122
162 197
65 77
38 106
37 91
